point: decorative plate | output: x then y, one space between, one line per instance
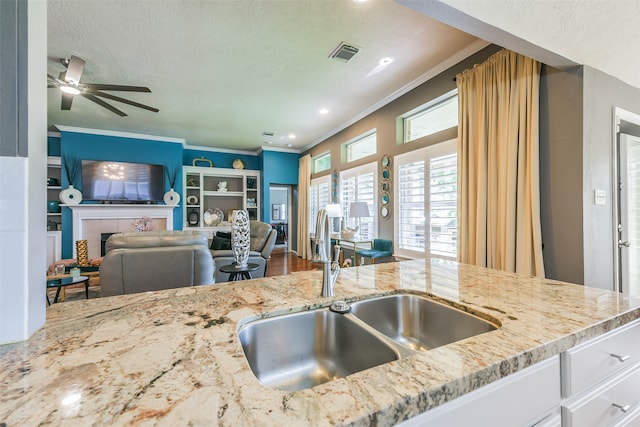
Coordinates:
213 216
238 164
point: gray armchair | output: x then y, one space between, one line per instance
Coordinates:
155 260
263 239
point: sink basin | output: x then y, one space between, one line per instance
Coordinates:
419 323
301 350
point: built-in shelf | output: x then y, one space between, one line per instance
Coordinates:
242 192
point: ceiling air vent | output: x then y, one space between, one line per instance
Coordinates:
344 52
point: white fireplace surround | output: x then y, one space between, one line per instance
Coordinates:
161 214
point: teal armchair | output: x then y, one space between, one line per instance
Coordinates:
382 250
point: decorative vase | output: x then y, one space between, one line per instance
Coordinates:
71 196
82 252
240 237
53 206
171 197
193 218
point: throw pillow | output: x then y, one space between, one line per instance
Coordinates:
221 241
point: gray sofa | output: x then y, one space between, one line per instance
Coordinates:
263 239
155 260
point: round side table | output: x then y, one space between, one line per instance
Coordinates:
239 273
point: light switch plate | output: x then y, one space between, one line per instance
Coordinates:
599 197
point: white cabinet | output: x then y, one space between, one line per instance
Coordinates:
526 398
225 189
601 380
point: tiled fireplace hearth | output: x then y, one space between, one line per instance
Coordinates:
90 221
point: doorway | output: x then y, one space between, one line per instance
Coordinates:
626 178
628 213
280 213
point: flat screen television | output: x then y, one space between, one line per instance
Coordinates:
121 181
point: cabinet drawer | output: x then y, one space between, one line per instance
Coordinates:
586 364
597 407
630 420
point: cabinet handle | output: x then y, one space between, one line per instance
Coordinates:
623 408
620 358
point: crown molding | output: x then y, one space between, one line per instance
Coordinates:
220 150
120 134
473 47
279 149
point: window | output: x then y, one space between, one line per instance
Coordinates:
427 202
321 163
360 147
319 197
435 116
359 185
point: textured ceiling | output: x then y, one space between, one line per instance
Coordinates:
602 34
222 72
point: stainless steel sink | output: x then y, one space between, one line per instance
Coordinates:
301 350
417 322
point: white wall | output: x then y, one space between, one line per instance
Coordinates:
601 94
23 199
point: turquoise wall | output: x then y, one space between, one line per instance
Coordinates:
53 146
84 146
277 168
220 160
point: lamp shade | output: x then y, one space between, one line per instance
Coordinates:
358 210
333 210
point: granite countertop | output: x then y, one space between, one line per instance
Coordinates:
173 357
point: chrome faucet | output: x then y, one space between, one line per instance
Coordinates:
322 254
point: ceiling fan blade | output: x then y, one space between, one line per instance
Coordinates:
74 69
54 79
123 88
124 101
49 86
101 103
67 99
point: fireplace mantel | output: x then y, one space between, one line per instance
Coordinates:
83 212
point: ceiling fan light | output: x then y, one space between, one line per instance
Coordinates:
70 90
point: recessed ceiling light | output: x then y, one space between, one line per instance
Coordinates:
386 61
288 145
359 1
268 142
292 136
323 111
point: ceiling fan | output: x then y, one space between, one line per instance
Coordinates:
69 84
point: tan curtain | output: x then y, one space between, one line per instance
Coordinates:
499 195
304 183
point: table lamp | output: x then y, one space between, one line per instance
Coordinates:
333 211
358 210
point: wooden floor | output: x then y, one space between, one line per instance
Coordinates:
283 262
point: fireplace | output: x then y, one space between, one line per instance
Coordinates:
103 242
90 222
